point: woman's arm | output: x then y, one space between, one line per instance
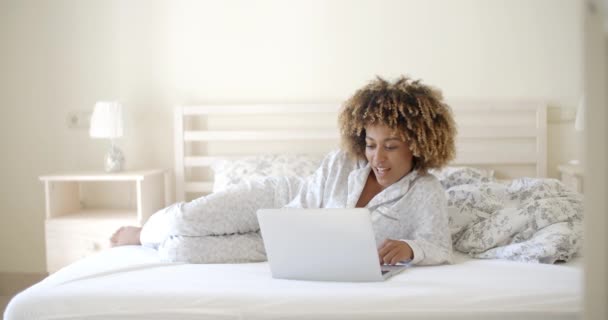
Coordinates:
425 224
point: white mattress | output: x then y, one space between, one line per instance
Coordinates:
130 283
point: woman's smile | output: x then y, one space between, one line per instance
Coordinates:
388 154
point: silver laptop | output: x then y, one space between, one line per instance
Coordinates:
322 244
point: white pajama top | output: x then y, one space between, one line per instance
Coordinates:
222 227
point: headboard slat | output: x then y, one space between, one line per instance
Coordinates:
259 109
275 135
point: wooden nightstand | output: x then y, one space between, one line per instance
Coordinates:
84 209
572 176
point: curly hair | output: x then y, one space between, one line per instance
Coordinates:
416 111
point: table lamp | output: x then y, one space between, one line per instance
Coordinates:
106 123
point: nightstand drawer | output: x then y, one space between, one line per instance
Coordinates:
70 238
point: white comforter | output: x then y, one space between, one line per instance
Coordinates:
532 220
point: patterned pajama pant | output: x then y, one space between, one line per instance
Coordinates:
221 227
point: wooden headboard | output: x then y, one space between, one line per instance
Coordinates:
509 137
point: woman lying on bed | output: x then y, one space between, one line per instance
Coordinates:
392 133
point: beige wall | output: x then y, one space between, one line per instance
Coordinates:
61 56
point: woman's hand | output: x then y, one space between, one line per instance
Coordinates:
394 251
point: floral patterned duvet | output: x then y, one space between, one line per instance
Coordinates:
526 219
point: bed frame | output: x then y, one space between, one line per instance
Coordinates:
509 137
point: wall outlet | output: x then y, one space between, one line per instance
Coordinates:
79 119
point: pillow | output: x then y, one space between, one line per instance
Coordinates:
229 172
454 176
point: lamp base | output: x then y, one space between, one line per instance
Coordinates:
114 160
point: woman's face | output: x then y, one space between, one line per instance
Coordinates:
388 155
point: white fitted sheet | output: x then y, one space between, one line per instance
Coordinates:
131 283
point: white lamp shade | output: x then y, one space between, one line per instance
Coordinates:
579 123
106 121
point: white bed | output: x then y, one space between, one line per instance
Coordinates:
131 283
